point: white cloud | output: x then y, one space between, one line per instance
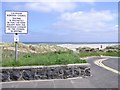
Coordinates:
87 21
51 6
48 0
60 0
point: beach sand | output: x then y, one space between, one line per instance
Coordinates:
74 46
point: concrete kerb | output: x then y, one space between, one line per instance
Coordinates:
44 80
29 67
99 57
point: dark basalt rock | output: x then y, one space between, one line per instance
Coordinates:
15 75
28 75
87 72
76 73
5 76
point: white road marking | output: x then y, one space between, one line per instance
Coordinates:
99 63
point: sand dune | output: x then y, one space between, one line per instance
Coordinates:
33 48
73 46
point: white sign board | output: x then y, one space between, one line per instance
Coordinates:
16 22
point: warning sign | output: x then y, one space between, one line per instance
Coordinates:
16 22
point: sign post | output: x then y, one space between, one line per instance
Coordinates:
16 40
16 52
16 23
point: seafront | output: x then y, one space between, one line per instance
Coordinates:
74 46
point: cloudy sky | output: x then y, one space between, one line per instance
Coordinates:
66 21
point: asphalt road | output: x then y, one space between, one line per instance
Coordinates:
112 63
101 78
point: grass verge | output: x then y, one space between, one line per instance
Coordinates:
87 54
30 59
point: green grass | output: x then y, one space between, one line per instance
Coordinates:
111 54
87 54
30 59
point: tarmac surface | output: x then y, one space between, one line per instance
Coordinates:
101 78
112 63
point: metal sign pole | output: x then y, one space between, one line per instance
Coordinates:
16 50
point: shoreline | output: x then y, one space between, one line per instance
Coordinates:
74 46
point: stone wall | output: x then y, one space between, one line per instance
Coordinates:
44 72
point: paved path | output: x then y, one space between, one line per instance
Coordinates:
101 78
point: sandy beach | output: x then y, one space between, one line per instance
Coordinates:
73 46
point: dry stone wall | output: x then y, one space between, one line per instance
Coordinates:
44 72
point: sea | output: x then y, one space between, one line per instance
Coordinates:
71 42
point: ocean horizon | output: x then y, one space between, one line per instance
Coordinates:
71 42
